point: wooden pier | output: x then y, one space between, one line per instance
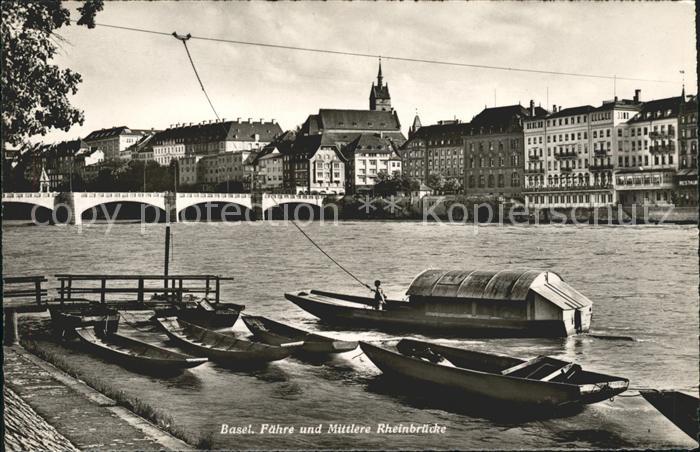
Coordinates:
76 288
22 294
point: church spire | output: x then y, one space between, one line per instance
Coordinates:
379 73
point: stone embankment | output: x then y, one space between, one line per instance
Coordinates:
53 411
26 430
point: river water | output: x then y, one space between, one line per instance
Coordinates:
643 281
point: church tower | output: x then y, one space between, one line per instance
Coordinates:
414 128
379 98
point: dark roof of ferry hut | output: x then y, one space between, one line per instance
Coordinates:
505 285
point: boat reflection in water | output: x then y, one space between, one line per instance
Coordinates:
507 303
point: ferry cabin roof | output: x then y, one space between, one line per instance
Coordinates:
499 291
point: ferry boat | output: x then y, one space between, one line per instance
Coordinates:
471 303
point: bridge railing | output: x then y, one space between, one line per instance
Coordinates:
213 195
291 196
30 195
121 194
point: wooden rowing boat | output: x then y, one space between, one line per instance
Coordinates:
543 381
506 303
66 318
276 333
222 348
678 407
136 354
203 313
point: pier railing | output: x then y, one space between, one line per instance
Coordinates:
24 292
77 287
20 294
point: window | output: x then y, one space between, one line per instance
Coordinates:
491 181
482 181
501 180
515 180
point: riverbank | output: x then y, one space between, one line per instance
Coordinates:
469 209
51 410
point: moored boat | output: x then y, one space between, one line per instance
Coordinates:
66 318
202 312
136 354
678 407
222 348
276 333
542 381
524 303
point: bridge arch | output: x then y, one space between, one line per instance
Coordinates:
293 210
37 207
239 202
215 211
123 210
84 202
46 200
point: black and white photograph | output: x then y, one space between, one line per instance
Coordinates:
349 225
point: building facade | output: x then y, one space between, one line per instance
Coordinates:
320 157
269 171
493 151
114 141
366 157
211 138
687 177
648 161
435 149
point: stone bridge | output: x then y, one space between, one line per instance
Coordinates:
171 204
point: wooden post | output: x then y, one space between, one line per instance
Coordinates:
102 292
206 289
167 256
37 291
10 327
70 288
139 294
217 289
63 293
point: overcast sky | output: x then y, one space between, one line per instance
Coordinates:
144 80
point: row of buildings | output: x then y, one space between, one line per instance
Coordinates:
625 151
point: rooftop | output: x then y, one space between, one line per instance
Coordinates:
658 109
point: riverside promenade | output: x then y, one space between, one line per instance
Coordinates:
46 409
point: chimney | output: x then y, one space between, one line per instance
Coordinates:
250 120
532 107
223 119
262 120
554 108
272 121
238 120
615 98
637 95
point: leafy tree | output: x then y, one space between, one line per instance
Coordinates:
452 185
35 92
436 181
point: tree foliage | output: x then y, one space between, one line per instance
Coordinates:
34 91
436 181
391 185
